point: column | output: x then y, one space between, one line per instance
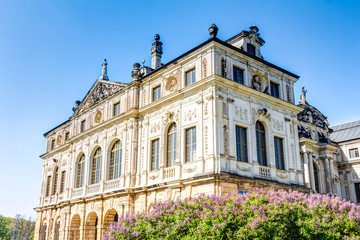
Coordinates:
306 170
312 177
327 175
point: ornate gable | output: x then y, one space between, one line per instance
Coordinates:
101 90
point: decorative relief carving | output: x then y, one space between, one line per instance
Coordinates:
282 175
244 169
204 63
261 114
190 169
278 125
206 136
153 176
59 140
206 108
225 110
98 117
241 113
144 97
155 127
190 114
226 141
101 92
171 84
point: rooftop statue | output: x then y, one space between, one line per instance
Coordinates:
104 71
303 96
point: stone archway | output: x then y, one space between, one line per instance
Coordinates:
110 217
91 227
75 228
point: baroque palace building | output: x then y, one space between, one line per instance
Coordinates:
215 120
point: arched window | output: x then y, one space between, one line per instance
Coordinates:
96 167
171 145
80 171
56 177
115 161
316 178
261 144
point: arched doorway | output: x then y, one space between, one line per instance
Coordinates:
75 228
110 217
91 227
57 229
43 231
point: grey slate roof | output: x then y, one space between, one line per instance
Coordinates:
346 131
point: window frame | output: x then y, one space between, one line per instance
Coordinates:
56 181
116 158
48 186
67 136
357 191
156 95
83 125
155 155
62 181
193 76
237 69
192 146
80 172
171 144
116 109
261 145
96 163
277 92
279 153
356 153
251 49
241 148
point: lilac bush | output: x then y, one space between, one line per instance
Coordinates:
259 214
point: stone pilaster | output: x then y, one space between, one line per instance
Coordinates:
306 170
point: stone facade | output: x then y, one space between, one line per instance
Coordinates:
175 131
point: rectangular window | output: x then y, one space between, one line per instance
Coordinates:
190 144
156 93
48 185
354 153
357 192
116 109
67 136
62 184
155 155
190 77
241 144
238 75
279 153
82 125
274 88
52 144
251 49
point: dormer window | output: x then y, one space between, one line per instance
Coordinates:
354 153
251 49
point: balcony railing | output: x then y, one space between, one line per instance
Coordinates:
169 172
93 188
112 184
264 172
77 192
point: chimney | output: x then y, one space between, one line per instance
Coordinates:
156 51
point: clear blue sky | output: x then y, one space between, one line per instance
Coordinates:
51 54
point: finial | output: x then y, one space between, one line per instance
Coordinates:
136 74
104 71
213 29
143 61
156 52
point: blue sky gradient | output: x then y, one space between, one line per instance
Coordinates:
51 54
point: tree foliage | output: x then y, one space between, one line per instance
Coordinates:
17 228
259 214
